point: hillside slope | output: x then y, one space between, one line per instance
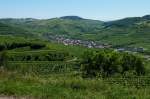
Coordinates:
6 29
69 26
133 31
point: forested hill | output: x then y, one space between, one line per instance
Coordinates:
63 25
6 29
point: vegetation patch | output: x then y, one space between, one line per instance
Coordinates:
109 63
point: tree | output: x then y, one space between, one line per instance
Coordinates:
3 58
109 63
132 63
86 64
112 64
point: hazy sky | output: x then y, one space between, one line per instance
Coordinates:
93 9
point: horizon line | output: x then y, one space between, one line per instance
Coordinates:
68 15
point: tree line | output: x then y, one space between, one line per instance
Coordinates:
13 45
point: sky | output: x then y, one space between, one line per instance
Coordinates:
91 9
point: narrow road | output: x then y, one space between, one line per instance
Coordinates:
74 59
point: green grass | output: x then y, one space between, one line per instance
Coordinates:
66 86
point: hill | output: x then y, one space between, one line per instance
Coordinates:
6 29
127 32
70 26
72 17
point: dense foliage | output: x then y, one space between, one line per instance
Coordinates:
10 42
106 64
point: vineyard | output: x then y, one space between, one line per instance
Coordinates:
40 55
40 62
42 67
33 56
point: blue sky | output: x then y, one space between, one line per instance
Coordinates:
92 9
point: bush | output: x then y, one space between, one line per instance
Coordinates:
15 44
132 62
107 64
37 45
2 47
3 58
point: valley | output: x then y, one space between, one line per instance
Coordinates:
75 58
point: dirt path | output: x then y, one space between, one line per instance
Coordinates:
72 60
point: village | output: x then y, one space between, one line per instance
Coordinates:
93 44
89 44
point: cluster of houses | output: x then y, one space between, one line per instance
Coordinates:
134 50
89 44
68 41
131 49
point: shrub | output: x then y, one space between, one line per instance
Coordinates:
2 47
37 45
132 62
107 64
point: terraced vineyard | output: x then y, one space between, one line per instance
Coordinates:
40 55
34 56
40 62
42 67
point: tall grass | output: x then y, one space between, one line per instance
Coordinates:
66 86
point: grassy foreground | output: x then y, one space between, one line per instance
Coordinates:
66 86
